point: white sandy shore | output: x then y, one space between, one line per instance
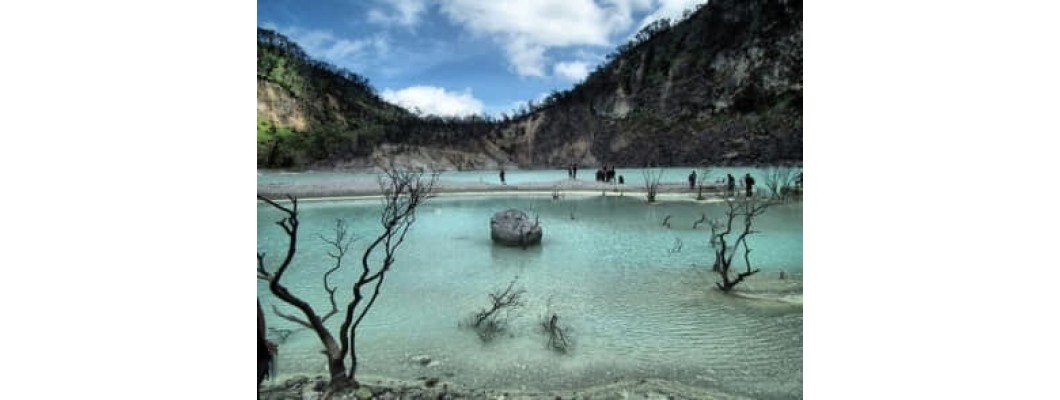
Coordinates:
362 189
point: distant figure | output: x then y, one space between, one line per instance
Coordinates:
574 169
749 182
692 180
599 175
609 175
798 181
570 172
621 180
502 177
730 184
266 349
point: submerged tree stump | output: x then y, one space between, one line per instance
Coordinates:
513 227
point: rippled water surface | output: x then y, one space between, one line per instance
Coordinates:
636 295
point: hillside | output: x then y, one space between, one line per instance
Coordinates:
723 86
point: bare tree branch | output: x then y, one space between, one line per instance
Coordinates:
748 209
403 192
651 182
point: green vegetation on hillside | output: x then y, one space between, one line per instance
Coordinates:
722 86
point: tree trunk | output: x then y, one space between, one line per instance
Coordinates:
340 381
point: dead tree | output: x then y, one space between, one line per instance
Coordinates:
745 210
493 320
678 244
701 178
651 182
558 335
702 219
780 181
403 192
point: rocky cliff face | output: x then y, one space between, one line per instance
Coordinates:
723 86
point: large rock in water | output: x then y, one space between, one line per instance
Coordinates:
514 228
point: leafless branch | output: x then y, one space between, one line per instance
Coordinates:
702 219
651 182
748 209
403 192
488 322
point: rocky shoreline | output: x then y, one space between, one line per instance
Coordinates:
302 387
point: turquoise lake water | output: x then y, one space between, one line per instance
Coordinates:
636 308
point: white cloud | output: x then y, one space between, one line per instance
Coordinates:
527 59
671 9
404 12
573 71
431 100
325 45
527 29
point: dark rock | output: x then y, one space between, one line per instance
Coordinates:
514 228
431 382
296 381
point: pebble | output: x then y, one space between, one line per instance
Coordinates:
422 359
363 393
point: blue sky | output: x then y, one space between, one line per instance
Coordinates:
460 57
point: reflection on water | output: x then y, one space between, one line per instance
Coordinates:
636 309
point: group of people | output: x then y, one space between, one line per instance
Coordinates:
607 174
730 183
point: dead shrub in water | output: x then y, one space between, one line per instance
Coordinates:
493 320
558 335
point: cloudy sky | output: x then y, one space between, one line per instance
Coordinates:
459 57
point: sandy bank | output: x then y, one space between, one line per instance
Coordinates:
566 187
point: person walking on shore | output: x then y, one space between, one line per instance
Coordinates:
692 180
502 176
730 184
574 170
749 182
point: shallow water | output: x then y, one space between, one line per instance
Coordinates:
636 309
633 176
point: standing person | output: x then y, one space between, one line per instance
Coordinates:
502 176
569 173
730 184
750 183
692 180
574 168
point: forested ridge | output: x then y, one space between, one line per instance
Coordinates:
722 86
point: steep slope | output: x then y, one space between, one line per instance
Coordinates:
310 111
723 86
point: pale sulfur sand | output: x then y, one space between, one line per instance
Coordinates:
362 188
